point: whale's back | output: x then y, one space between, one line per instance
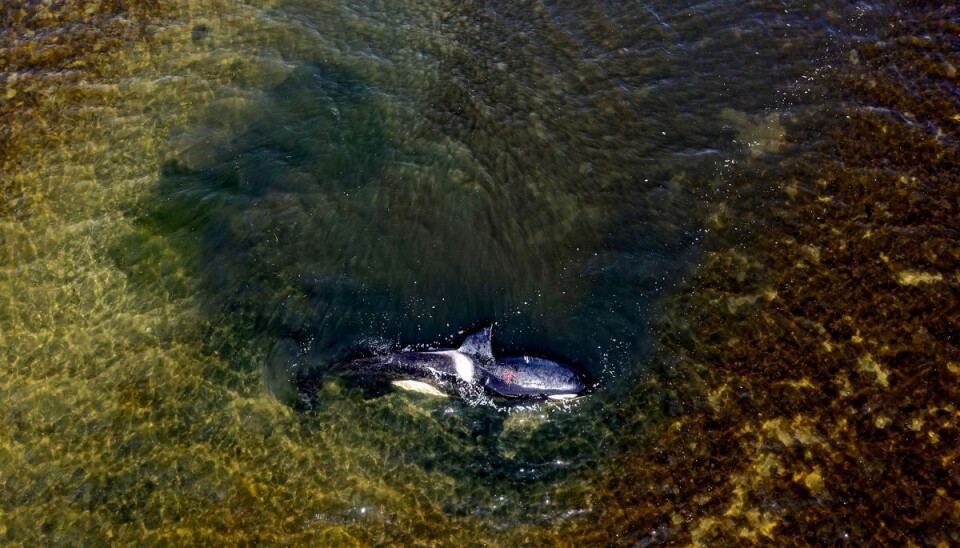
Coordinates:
528 376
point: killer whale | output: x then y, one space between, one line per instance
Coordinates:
473 368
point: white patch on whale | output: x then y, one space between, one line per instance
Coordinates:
419 387
461 363
562 396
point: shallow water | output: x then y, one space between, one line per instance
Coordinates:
197 187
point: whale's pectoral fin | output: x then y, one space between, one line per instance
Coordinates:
477 344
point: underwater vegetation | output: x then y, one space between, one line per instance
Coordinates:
795 318
822 366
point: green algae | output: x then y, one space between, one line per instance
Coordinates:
130 411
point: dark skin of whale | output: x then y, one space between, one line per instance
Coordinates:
474 365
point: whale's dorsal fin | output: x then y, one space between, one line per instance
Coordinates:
477 344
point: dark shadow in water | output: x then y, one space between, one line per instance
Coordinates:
334 224
307 233
259 209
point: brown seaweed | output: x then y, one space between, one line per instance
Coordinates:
821 359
